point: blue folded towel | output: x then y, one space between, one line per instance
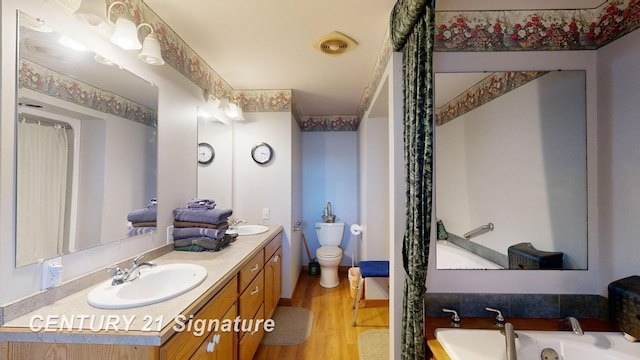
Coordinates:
191 232
209 216
140 230
142 215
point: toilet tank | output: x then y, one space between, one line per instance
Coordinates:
330 234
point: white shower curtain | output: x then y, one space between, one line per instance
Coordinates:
41 191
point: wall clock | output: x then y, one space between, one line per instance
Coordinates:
262 153
205 153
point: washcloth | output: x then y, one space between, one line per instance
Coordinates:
186 224
191 232
201 204
142 215
211 216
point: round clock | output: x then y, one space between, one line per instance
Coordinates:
262 153
205 153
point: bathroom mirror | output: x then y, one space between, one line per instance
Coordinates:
215 177
86 146
510 155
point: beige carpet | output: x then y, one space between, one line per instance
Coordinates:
293 326
374 345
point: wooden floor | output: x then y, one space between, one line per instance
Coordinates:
332 336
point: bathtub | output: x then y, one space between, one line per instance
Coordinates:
450 256
470 344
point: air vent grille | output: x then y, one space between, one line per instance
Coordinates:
334 43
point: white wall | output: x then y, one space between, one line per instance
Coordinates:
271 185
216 178
619 152
178 101
555 282
519 162
330 174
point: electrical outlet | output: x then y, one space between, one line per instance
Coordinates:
50 273
265 214
169 234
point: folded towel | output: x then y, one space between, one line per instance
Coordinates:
144 224
142 215
186 224
190 232
202 244
210 216
201 204
140 230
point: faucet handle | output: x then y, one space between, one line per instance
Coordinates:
455 318
116 270
499 319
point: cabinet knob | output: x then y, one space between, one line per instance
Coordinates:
276 258
255 291
211 346
255 268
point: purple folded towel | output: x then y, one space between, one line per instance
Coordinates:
142 215
210 216
140 230
201 204
191 232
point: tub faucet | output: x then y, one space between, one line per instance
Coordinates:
510 341
575 325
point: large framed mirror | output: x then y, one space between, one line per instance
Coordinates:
86 146
511 170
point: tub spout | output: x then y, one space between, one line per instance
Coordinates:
510 341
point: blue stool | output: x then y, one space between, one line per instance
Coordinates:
376 268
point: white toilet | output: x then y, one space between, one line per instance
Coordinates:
329 254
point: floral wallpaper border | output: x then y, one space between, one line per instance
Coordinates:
44 80
489 88
572 29
576 29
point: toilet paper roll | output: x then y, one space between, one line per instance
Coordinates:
356 229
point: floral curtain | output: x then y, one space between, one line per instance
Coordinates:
418 156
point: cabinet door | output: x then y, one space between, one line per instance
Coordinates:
272 282
221 344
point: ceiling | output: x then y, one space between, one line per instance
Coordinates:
257 44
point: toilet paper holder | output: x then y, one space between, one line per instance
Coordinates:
356 229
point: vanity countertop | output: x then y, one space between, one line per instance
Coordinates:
433 323
146 325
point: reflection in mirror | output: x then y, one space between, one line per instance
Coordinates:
511 163
86 150
215 177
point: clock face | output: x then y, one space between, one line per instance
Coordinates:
262 153
205 153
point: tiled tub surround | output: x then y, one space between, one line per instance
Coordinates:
545 306
222 266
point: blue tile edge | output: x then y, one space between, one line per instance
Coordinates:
519 305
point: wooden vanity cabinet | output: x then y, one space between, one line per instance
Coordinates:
273 279
186 345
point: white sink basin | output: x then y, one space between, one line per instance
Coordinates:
250 229
156 284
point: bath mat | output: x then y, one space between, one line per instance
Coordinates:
374 345
292 326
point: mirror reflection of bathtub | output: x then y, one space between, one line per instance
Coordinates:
451 256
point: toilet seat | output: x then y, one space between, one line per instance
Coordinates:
329 252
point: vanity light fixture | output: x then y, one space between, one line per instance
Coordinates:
125 36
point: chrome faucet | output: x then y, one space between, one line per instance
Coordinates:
575 325
510 341
455 318
233 224
499 319
121 276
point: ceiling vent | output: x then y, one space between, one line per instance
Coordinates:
335 43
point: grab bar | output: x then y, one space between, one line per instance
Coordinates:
479 231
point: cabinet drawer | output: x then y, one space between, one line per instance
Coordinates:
249 271
184 343
220 345
272 246
252 297
250 342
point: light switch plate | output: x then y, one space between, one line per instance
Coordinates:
265 214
